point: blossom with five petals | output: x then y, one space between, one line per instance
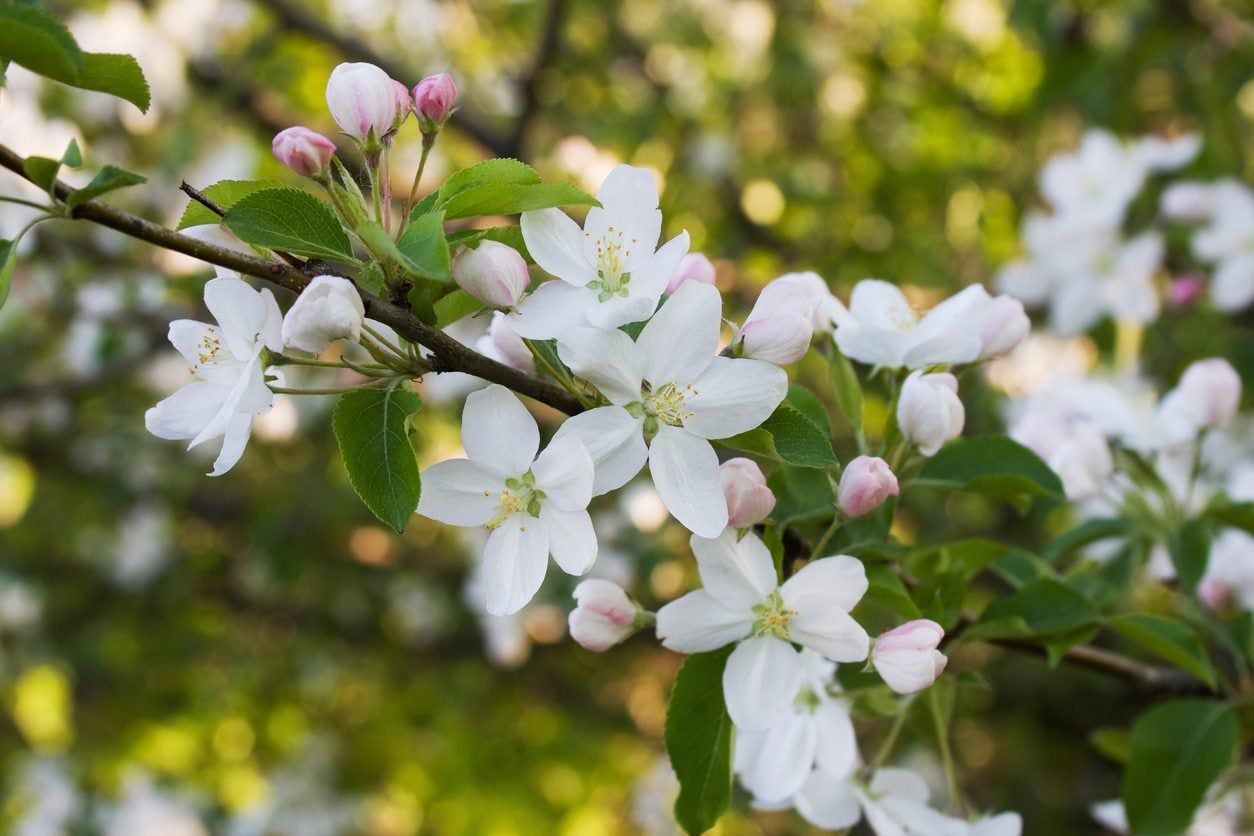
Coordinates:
669 394
880 328
741 603
533 506
609 273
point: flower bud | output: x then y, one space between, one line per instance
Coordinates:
604 615
906 657
363 101
404 104
1213 389
503 344
929 412
749 500
1004 325
694 267
306 152
1185 290
1188 201
779 327
434 98
494 273
865 484
328 309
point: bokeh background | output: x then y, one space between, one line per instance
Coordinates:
257 649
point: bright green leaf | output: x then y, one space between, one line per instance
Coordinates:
809 406
787 436
1178 750
39 42
225 193
370 427
509 235
41 171
457 305
487 172
108 179
511 198
699 741
1041 608
425 248
1237 514
290 220
117 75
1168 639
992 464
1190 552
8 261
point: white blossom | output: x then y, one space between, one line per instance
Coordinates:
328 309
929 412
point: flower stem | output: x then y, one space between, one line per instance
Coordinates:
330 390
564 379
428 140
817 551
947 755
886 748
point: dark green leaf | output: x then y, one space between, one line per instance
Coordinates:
885 591
809 406
1190 552
8 261
1090 531
509 235
1237 514
801 494
225 193
1114 743
993 464
72 157
787 436
1042 607
425 248
699 741
39 42
1178 750
117 75
370 427
1168 639
510 198
290 220
42 171
108 179
1018 568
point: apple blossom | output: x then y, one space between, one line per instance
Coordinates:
906 657
864 485
1118 281
694 267
669 394
929 412
328 309
434 98
894 802
494 273
749 500
741 603
774 763
779 327
363 101
1187 201
609 273
306 152
505 346
881 329
1207 396
1159 153
533 506
1097 181
227 361
604 616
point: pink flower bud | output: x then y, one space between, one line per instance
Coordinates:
906 658
503 344
779 327
865 484
494 273
404 104
694 267
1211 391
604 615
362 100
434 98
929 412
1004 325
749 500
1185 290
304 151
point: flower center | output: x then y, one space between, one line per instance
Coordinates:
771 617
807 700
521 496
668 404
209 348
613 252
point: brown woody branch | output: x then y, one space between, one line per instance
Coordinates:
447 353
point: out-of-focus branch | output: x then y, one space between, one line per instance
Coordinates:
448 353
528 90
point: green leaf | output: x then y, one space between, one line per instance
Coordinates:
1190 552
225 193
108 179
457 305
370 427
39 42
290 220
503 170
992 464
809 406
787 436
886 591
1168 639
372 278
1041 608
117 75
1178 750
425 248
41 171
801 494
72 157
847 388
1113 743
8 261
511 198
1090 531
508 235
1236 514
699 741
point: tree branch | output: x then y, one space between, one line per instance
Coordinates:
448 353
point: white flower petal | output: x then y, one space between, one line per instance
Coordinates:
241 313
556 243
607 359
682 337
685 473
828 801
193 340
628 216
271 334
550 311
572 540
833 633
619 310
872 346
238 428
780 759
249 394
738 572
1002 824
514 562
498 431
185 413
564 472
459 492
942 350
614 440
697 622
837 749
760 682
901 783
879 304
734 396
1232 286
838 581
650 279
